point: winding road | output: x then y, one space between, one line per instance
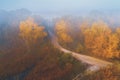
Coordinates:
95 64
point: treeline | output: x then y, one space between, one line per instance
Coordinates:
96 38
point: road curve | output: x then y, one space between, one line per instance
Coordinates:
95 63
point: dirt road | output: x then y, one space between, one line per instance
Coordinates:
95 64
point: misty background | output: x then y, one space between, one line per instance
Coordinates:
60 6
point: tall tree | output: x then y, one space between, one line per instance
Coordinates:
30 32
61 29
97 37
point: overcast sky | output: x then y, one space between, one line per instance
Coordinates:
60 5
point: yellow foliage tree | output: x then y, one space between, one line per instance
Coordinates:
61 29
113 48
97 37
30 32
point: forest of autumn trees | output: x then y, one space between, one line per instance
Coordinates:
26 51
97 38
34 57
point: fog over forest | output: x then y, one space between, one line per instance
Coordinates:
60 40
